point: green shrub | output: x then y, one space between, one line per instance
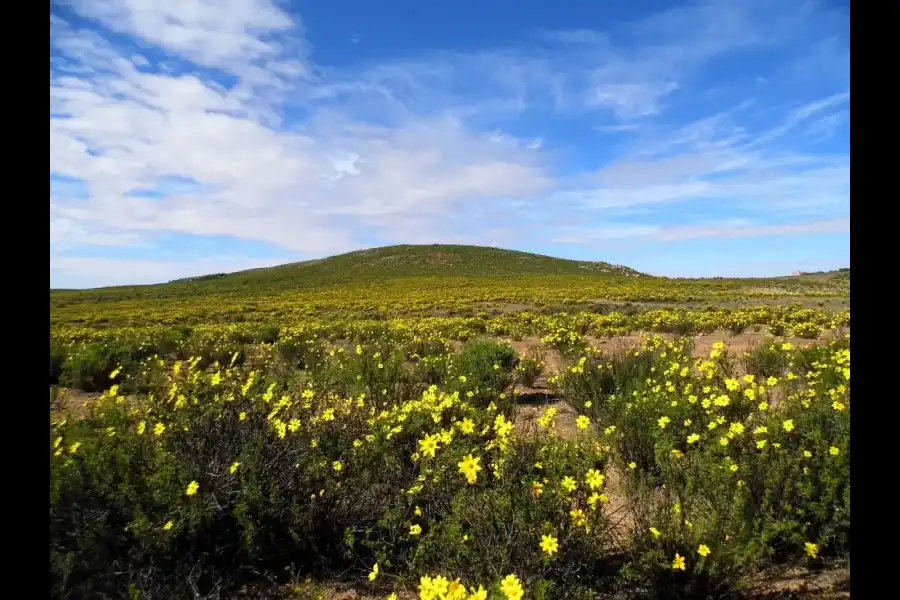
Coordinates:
89 367
57 358
766 360
530 367
483 370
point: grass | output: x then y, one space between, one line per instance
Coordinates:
414 280
311 440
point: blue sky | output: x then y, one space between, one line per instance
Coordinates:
683 139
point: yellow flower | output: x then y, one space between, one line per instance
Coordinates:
788 425
428 446
479 594
456 591
838 406
192 488
733 385
337 466
693 438
374 573
812 550
569 484
549 544
632 465
234 467
595 498
703 550
415 529
594 479
418 511
678 563
656 533
168 526
577 517
242 416
663 421
582 422
833 451
537 488
469 467
141 427
511 588
159 429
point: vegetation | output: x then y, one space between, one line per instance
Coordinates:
402 281
212 456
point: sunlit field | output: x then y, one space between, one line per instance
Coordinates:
449 436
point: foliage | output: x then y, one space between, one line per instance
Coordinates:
243 442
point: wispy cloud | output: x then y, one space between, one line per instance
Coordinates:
713 230
213 119
98 271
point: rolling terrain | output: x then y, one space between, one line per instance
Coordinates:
424 280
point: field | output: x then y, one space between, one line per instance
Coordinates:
451 423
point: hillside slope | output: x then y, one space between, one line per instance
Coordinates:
379 265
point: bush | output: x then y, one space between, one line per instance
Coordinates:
359 460
482 371
57 358
530 367
89 367
766 360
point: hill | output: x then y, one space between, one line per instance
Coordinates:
379 265
417 280
393 262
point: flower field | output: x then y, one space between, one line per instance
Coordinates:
196 456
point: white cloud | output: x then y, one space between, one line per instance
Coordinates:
93 271
712 230
218 123
232 36
123 132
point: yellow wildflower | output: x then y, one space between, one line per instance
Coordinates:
549 544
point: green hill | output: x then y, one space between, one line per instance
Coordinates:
378 265
394 262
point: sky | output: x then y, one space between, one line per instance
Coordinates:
687 139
